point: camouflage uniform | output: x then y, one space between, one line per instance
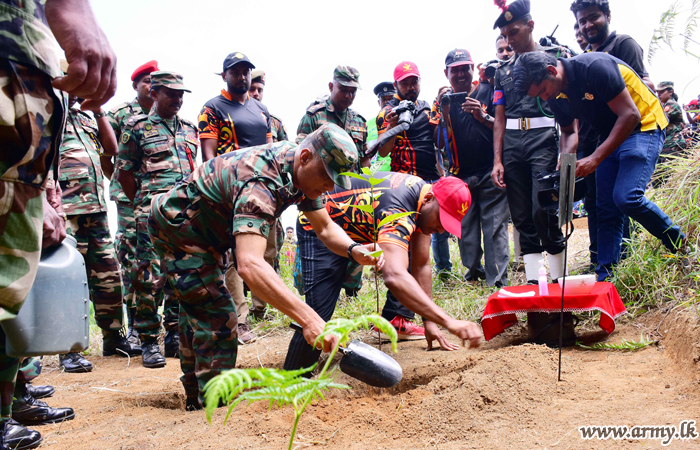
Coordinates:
125 241
160 157
82 183
322 111
675 142
31 120
195 224
277 128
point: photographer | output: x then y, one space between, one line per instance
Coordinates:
463 114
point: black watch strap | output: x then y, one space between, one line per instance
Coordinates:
353 245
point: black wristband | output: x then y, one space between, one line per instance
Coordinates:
353 245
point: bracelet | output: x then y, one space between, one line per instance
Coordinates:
353 245
99 115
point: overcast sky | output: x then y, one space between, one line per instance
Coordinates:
299 43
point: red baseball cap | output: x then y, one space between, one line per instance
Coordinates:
454 198
693 103
150 66
405 69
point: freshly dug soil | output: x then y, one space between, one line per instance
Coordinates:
502 395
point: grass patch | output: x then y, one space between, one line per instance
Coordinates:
625 345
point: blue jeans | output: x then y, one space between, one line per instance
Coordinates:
620 181
440 245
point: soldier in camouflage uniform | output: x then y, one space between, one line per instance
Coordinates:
87 145
257 88
675 142
31 121
336 109
233 201
125 238
156 152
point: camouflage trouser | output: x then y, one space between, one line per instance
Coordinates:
29 369
125 243
95 244
149 281
30 115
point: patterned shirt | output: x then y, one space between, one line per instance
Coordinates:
322 111
233 125
159 156
200 213
398 193
414 152
81 177
277 129
118 117
674 139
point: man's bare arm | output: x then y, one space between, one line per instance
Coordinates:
208 148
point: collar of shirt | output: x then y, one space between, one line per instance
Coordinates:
330 108
605 43
136 106
570 77
228 97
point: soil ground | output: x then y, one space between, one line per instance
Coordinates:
502 395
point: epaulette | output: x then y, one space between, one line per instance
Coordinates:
314 108
276 117
119 107
188 123
357 114
136 118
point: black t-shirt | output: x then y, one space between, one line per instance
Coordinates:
471 142
595 79
399 193
233 125
624 48
414 152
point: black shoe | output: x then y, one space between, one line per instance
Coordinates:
16 437
40 391
132 335
192 404
152 357
115 343
74 363
29 411
171 344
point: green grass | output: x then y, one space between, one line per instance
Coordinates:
625 345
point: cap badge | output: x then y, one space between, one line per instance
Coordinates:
589 96
465 208
508 15
239 55
406 67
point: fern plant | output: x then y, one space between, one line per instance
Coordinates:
666 31
373 180
288 387
625 345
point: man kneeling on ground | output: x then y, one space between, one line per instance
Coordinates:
232 202
438 207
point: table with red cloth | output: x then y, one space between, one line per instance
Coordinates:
500 312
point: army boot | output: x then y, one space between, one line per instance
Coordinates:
152 357
114 342
14 436
132 335
171 343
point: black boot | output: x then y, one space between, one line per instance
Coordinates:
152 357
16 437
115 343
29 411
74 363
171 343
132 336
40 391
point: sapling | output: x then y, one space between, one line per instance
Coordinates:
288 387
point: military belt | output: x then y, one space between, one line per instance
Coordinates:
527 123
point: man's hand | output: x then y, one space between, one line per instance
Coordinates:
473 106
313 329
442 91
497 175
361 253
392 120
54 227
482 72
432 332
466 331
586 166
92 71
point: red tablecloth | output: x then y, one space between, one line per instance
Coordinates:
500 310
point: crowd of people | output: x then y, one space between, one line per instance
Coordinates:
192 239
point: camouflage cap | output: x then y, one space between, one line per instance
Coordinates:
336 149
172 80
347 76
665 85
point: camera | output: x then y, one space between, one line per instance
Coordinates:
490 69
455 98
406 110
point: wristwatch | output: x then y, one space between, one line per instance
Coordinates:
353 245
99 115
487 118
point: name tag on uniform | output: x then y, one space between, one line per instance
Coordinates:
150 133
154 139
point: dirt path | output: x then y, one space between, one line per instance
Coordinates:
504 395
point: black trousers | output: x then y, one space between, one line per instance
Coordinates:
324 273
589 202
526 154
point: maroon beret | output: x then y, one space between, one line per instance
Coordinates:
150 66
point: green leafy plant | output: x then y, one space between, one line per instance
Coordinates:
288 387
625 345
375 193
666 31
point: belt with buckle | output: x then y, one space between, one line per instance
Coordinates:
527 123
